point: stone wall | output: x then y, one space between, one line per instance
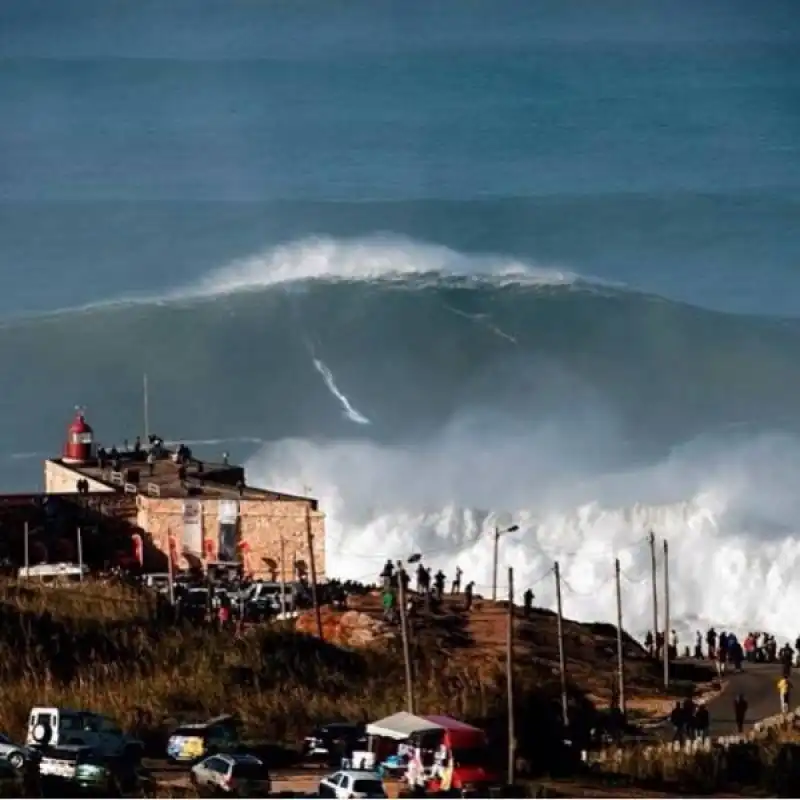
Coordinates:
60 479
262 523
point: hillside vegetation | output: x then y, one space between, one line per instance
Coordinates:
105 647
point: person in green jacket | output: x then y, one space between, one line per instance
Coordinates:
388 605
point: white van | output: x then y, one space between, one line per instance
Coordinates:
48 573
53 727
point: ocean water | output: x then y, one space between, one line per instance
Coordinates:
450 265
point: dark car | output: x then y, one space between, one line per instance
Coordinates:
191 743
335 741
86 768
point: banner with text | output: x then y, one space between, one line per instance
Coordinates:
193 527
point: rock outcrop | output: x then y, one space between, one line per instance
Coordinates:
347 629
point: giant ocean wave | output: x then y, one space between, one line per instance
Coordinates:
426 395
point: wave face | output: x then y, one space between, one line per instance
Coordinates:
427 395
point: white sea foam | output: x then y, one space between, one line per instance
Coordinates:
730 512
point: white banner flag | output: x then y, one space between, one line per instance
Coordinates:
193 527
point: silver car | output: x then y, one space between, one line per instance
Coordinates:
232 773
16 754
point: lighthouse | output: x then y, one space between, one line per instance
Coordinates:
79 447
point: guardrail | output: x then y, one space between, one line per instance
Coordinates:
759 730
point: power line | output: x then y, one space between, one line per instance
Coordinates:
590 593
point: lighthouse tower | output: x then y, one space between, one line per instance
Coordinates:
79 447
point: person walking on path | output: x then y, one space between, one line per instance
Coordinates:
784 690
678 720
722 658
740 711
702 722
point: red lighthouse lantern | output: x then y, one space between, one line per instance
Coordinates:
80 441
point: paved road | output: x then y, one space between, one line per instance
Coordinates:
759 684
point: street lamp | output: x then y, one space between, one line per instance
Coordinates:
401 588
498 532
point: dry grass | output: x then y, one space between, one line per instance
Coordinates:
769 765
103 647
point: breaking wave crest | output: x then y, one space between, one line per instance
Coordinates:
384 258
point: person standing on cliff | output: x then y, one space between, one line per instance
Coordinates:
388 606
439 581
711 639
387 574
468 589
421 579
527 600
456 587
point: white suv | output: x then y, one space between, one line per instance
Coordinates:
52 727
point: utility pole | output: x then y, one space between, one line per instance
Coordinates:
666 614
283 577
510 675
146 409
652 540
401 599
494 562
27 551
561 658
170 579
312 564
80 554
620 650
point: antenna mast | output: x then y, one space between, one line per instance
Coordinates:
146 410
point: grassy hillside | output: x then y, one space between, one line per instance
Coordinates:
104 647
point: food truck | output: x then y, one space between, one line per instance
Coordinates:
436 752
461 757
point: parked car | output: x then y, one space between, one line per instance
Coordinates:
262 599
53 727
62 761
17 755
88 769
232 773
190 743
108 777
335 741
352 783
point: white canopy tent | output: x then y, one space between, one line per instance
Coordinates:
401 726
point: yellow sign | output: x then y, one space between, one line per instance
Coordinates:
192 747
